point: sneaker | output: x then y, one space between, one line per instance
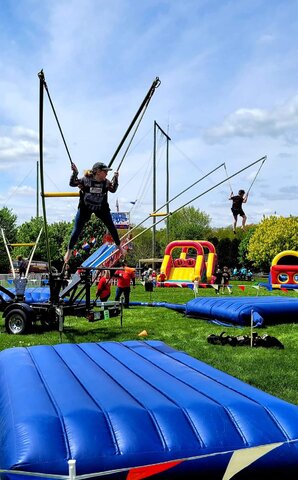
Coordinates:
67 256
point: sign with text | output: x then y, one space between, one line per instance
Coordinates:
121 220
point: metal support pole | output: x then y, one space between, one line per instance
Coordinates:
154 197
37 189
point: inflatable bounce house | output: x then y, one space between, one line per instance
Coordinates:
283 271
197 259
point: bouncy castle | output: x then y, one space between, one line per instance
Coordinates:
187 260
283 271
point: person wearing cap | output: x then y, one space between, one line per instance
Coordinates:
94 188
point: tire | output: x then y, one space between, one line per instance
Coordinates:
17 322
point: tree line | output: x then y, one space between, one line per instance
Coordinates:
254 248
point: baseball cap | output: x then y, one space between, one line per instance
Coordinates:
100 166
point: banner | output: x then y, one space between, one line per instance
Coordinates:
121 220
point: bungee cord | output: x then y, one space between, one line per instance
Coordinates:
156 83
225 167
42 79
263 159
171 200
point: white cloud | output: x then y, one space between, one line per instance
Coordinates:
281 121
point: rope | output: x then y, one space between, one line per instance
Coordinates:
133 135
145 103
174 198
183 206
228 177
265 158
42 78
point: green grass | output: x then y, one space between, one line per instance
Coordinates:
271 370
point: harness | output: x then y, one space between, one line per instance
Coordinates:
94 194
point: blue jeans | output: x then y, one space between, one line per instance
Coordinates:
83 216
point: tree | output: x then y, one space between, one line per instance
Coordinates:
272 236
242 250
141 247
189 223
8 223
28 233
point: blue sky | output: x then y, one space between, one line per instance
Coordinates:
228 93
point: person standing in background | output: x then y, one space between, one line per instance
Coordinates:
125 278
103 291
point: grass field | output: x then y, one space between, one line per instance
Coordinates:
272 370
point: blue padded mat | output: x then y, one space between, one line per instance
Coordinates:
271 309
32 294
119 405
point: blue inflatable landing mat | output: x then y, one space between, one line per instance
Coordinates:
120 405
238 310
32 294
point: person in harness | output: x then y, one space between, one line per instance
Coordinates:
94 188
238 200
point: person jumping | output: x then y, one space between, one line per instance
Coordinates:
238 200
94 188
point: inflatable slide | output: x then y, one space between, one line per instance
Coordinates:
192 263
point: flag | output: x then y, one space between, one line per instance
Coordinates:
284 289
85 246
257 287
215 286
93 241
133 203
242 287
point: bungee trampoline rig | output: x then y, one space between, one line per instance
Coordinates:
21 306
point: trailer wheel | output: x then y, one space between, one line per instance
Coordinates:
17 322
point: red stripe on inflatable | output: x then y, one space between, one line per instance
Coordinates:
284 289
145 472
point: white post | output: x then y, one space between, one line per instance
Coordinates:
251 327
72 469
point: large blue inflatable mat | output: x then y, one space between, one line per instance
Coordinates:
119 405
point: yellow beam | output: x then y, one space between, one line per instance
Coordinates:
158 214
21 244
61 194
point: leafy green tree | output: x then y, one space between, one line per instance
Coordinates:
272 236
243 246
141 247
8 223
28 233
189 223
59 234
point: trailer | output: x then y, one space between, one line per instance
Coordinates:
23 307
50 305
